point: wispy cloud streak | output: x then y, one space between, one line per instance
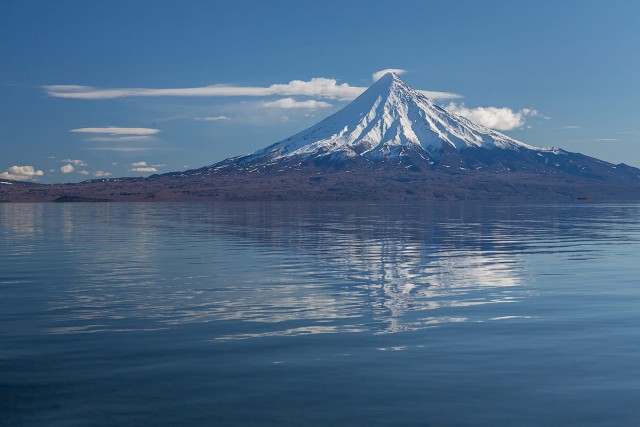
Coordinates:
319 87
110 130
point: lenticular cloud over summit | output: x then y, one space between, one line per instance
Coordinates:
379 74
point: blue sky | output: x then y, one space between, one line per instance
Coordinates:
549 73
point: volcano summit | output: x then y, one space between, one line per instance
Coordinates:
390 143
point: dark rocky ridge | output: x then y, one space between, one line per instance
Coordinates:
351 183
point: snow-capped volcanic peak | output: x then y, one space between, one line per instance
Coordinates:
383 122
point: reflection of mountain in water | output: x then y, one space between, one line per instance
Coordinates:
408 283
258 269
357 267
407 267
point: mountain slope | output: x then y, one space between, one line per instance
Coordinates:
386 119
392 126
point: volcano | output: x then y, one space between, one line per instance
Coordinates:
390 143
392 126
389 122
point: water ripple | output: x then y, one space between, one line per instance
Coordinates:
265 267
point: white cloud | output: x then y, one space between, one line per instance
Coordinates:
21 173
144 169
110 130
318 87
607 139
438 96
67 168
494 117
101 174
376 76
120 149
75 162
124 138
534 113
118 134
212 119
569 127
290 103
83 172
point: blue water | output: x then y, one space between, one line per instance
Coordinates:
344 314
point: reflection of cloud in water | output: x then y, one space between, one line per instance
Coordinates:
22 219
386 284
385 287
404 282
303 330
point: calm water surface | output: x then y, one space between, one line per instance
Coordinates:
319 314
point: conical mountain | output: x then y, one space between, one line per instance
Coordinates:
387 121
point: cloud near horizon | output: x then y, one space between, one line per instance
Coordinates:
67 168
21 173
144 169
498 118
318 87
75 162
